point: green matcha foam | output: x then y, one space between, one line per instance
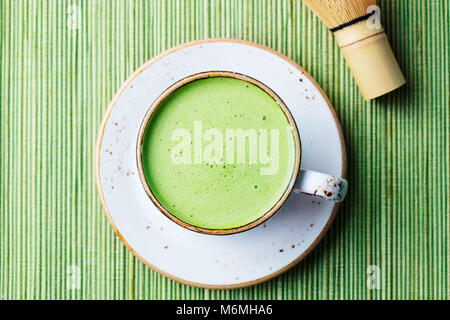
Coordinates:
218 153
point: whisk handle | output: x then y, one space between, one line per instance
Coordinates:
371 60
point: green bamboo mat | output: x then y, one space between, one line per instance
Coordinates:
58 75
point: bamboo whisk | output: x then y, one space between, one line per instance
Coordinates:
364 44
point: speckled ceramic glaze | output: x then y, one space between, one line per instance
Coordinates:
208 260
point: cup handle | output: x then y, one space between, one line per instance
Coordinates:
321 185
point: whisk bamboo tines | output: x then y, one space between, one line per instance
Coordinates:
364 43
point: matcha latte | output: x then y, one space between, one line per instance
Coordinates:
218 153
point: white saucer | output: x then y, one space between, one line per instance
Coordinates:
207 260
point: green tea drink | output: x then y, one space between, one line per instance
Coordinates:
218 153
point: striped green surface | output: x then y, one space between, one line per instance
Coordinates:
56 82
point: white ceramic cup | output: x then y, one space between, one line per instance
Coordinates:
304 181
